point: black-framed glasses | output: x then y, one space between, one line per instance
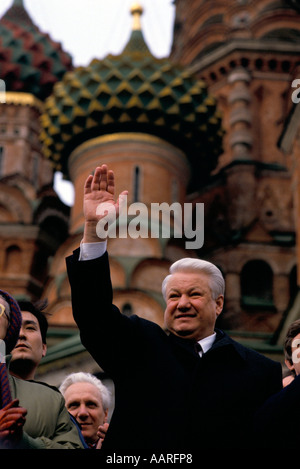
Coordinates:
2 311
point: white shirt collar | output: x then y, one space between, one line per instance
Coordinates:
207 342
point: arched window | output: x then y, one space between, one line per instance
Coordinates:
293 283
1 160
13 259
35 170
174 190
136 183
257 285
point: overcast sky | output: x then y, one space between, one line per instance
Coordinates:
89 29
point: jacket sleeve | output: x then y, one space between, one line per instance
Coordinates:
91 289
109 336
66 435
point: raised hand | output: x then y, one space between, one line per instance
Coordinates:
102 430
98 189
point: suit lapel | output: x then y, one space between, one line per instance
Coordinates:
183 346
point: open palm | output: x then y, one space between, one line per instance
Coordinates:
99 189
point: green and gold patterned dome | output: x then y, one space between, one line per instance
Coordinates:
133 91
30 61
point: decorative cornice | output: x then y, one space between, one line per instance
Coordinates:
259 46
120 136
23 99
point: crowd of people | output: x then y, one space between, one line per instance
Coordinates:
73 417
186 387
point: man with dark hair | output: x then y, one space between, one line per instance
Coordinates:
277 422
291 348
38 310
32 414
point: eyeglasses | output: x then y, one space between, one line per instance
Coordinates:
2 311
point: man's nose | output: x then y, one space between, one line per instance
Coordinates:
22 333
184 302
82 412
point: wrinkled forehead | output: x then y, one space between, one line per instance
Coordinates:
186 279
83 391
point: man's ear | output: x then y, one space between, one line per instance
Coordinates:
289 364
219 304
44 350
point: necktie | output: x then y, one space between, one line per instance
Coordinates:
198 349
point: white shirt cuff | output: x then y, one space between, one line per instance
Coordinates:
89 251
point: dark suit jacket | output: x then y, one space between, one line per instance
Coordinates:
166 396
277 421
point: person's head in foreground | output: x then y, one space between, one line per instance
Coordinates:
88 400
194 295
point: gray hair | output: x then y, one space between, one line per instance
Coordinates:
82 377
188 264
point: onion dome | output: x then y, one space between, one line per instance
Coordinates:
133 91
30 61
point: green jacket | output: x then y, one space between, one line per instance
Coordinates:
48 424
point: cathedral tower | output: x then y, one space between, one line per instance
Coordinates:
33 221
156 126
247 52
